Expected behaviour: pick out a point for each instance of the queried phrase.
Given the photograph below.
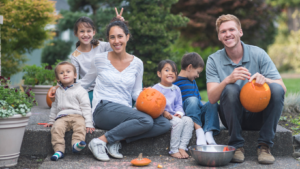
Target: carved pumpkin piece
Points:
(254, 97)
(152, 102)
(140, 161)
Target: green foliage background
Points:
(23, 30)
(56, 50)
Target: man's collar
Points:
(245, 58)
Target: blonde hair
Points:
(225, 18)
(64, 63)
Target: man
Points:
(227, 71)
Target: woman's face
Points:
(117, 39)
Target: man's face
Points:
(230, 34)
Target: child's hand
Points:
(178, 115)
(167, 115)
(88, 129)
(51, 93)
(48, 125)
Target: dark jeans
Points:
(236, 118)
(124, 122)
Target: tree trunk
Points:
(293, 14)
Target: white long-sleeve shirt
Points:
(82, 60)
(112, 85)
(74, 100)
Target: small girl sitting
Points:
(71, 110)
(182, 126)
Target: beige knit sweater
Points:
(74, 100)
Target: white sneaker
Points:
(113, 149)
(98, 147)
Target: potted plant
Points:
(15, 106)
(39, 79)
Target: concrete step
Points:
(37, 140)
(72, 161)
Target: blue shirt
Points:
(255, 59)
(188, 88)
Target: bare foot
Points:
(183, 153)
(176, 155)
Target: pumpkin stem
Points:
(140, 157)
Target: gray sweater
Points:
(74, 100)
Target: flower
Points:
(14, 101)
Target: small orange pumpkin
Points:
(49, 102)
(255, 97)
(140, 161)
(152, 102)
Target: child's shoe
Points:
(78, 146)
(57, 155)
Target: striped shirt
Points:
(82, 60)
(112, 85)
(188, 88)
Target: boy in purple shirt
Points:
(182, 126)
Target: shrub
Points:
(56, 50)
(35, 75)
(292, 103)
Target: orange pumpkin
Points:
(49, 102)
(255, 97)
(140, 161)
(152, 102)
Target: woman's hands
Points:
(119, 16)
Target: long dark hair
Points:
(88, 23)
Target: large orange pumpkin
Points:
(49, 102)
(255, 97)
(152, 102)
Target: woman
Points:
(118, 77)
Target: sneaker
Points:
(113, 149)
(238, 156)
(264, 155)
(98, 147)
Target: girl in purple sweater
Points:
(182, 126)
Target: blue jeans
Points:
(123, 122)
(236, 118)
(204, 115)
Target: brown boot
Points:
(238, 156)
(264, 155)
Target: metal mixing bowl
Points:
(211, 155)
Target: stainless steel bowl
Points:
(211, 155)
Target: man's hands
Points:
(167, 115)
(239, 73)
(88, 129)
(119, 16)
(260, 79)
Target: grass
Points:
(292, 85)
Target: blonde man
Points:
(227, 71)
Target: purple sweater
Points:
(173, 97)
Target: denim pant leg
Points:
(120, 121)
(231, 114)
(266, 121)
(211, 118)
(160, 126)
(192, 108)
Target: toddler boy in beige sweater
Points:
(70, 110)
